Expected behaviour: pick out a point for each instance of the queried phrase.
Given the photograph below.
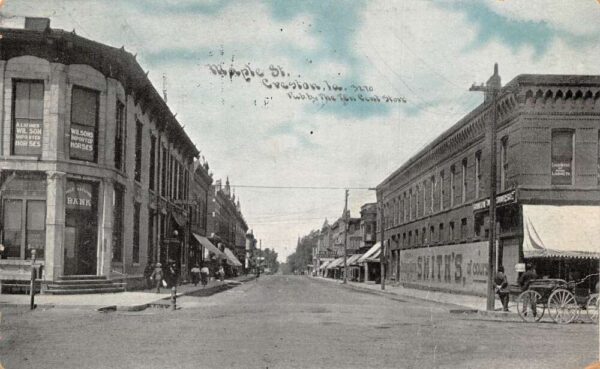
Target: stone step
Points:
(107, 284)
(61, 282)
(110, 289)
(81, 277)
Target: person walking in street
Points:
(502, 287)
(204, 272)
(157, 276)
(221, 273)
(195, 274)
(172, 275)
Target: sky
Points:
(411, 62)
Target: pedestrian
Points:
(172, 275)
(148, 275)
(221, 273)
(157, 276)
(195, 274)
(502, 287)
(204, 272)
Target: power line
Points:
(303, 187)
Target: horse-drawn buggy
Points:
(563, 300)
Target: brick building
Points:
(436, 204)
(95, 169)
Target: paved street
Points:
(288, 322)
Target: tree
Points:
(269, 259)
(298, 261)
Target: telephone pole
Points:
(491, 89)
(346, 220)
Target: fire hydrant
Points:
(174, 298)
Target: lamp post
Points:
(491, 89)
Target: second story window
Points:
(442, 190)
(120, 134)
(562, 157)
(28, 111)
(84, 124)
(138, 151)
(477, 173)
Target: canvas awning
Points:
(353, 259)
(372, 253)
(209, 245)
(561, 231)
(335, 263)
(325, 264)
(231, 259)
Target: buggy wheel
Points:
(530, 306)
(562, 307)
(591, 307)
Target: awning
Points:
(231, 259)
(336, 263)
(372, 253)
(353, 259)
(206, 243)
(325, 264)
(561, 231)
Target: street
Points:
(287, 322)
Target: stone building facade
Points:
(95, 169)
(436, 204)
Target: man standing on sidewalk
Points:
(502, 287)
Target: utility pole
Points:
(382, 254)
(491, 90)
(346, 220)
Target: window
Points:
(463, 195)
(452, 184)
(441, 232)
(152, 164)
(417, 191)
(463, 229)
(562, 157)
(503, 163)
(163, 173)
(150, 250)
(410, 213)
(424, 197)
(477, 173)
(404, 205)
(24, 228)
(139, 128)
(416, 236)
(117, 237)
(28, 112)
(120, 134)
(395, 212)
(84, 124)
(423, 236)
(431, 234)
(136, 233)
(410, 238)
(432, 194)
(451, 232)
(442, 190)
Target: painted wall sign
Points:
(82, 142)
(78, 196)
(561, 172)
(28, 137)
(461, 267)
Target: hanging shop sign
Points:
(82, 142)
(78, 196)
(460, 267)
(503, 199)
(328, 254)
(28, 137)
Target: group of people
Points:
(502, 283)
(156, 277)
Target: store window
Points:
(120, 136)
(24, 228)
(84, 124)
(28, 111)
(562, 157)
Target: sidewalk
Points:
(127, 301)
(457, 303)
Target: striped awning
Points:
(372, 253)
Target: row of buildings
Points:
(435, 207)
(96, 173)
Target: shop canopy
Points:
(325, 264)
(561, 231)
(231, 259)
(209, 245)
(353, 259)
(336, 263)
(370, 255)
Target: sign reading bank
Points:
(78, 196)
(461, 267)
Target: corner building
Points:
(548, 195)
(94, 168)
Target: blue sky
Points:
(428, 52)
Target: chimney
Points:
(37, 24)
